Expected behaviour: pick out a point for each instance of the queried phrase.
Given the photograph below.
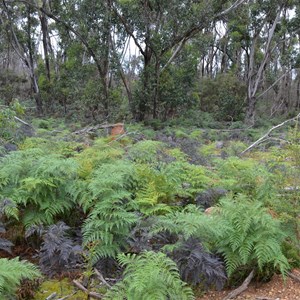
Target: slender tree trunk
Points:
(33, 77)
(156, 88)
(45, 37)
(254, 76)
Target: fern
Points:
(248, 177)
(149, 276)
(110, 209)
(12, 272)
(242, 231)
(248, 236)
(38, 184)
(93, 157)
(157, 187)
(146, 152)
(190, 222)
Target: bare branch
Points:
(265, 91)
(177, 50)
(101, 278)
(91, 294)
(241, 288)
(231, 8)
(266, 136)
(129, 31)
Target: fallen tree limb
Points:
(101, 278)
(267, 135)
(91, 294)
(241, 288)
(293, 276)
(23, 122)
(51, 296)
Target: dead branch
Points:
(101, 278)
(293, 276)
(267, 135)
(51, 296)
(67, 296)
(23, 122)
(91, 294)
(241, 288)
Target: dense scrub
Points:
(133, 207)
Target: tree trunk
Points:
(45, 35)
(156, 89)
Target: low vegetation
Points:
(143, 214)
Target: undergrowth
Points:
(137, 206)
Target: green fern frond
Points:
(189, 222)
(248, 235)
(12, 272)
(149, 275)
(110, 208)
(145, 151)
(247, 176)
(100, 153)
(38, 183)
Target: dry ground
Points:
(275, 289)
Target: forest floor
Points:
(275, 289)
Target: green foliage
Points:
(239, 229)
(38, 184)
(248, 236)
(224, 96)
(145, 151)
(12, 272)
(110, 208)
(8, 124)
(248, 177)
(148, 276)
(158, 185)
(189, 222)
(93, 157)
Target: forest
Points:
(149, 149)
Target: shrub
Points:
(197, 266)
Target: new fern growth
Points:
(149, 276)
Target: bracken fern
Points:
(12, 272)
(110, 209)
(248, 236)
(149, 276)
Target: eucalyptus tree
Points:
(160, 30)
